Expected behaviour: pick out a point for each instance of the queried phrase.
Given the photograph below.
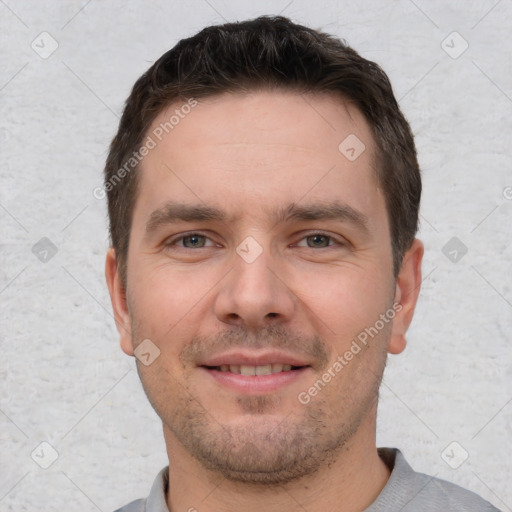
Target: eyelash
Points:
(331, 238)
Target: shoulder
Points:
(156, 501)
(410, 491)
(134, 506)
(436, 494)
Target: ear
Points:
(406, 295)
(118, 299)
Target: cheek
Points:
(344, 299)
(167, 301)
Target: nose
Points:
(255, 295)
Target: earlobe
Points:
(406, 296)
(118, 299)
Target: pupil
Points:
(194, 240)
(319, 240)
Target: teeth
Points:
(244, 369)
(247, 370)
(264, 370)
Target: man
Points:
(263, 194)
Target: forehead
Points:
(244, 150)
(275, 117)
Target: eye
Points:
(318, 240)
(191, 241)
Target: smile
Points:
(255, 379)
(242, 369)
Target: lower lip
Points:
(256, 384)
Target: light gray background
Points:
(64, 379)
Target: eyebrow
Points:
(181, 212)
(175, 212)
(322, 211)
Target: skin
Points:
(249, 155)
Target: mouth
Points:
(249, 370)
(254, 374)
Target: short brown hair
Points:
(267, 52)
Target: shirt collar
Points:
(156, 501)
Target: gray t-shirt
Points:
(405, 491)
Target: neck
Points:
(351, 482)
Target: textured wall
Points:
(64, 380)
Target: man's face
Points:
(257, 246)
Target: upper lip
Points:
(254, 359)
